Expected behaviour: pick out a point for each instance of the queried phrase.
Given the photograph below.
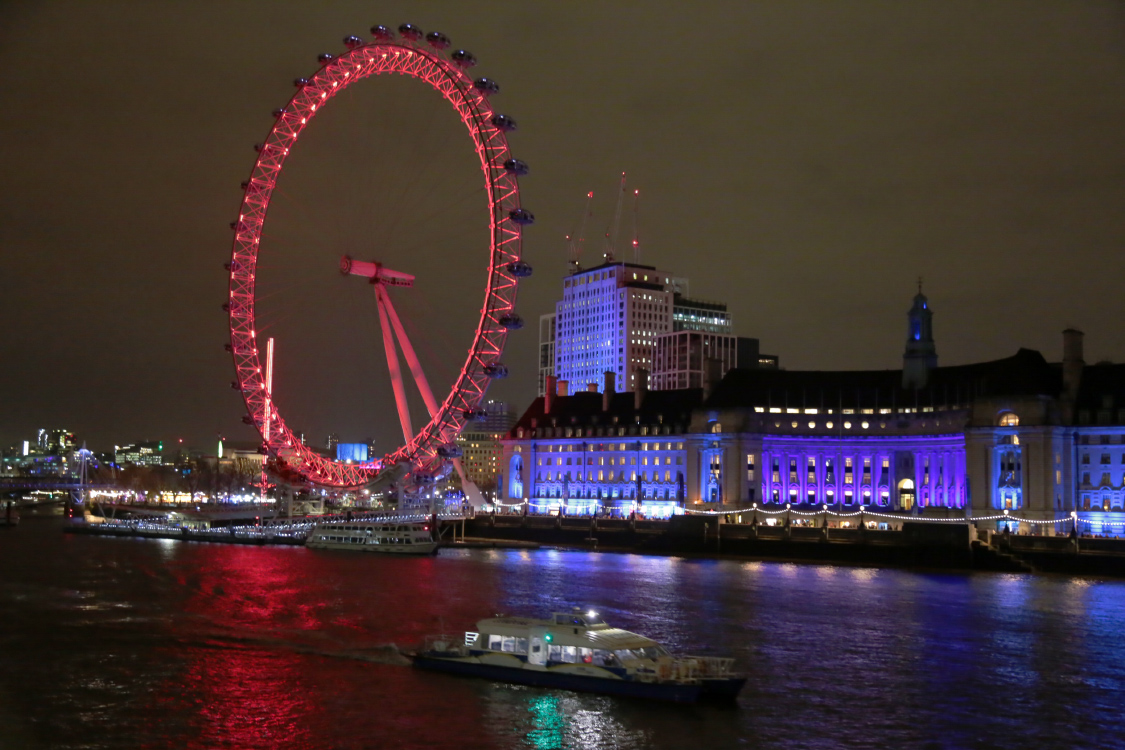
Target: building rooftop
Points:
(1102, 387)
(584, 409)
(1026, 373)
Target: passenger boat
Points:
(580, 651)
(396, 537)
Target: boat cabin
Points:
(566, 638)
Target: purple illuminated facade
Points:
(1039, 440)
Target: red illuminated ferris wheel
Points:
(425, 453)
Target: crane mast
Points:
(611, 234)
(574, 242)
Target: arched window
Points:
(1009, 419)
(716, 428)
(906, 494)
(515, 478)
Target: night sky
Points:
(803, 162)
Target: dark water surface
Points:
(121, 643)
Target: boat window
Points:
(603, 658)
(509, 644)
(625, 654)
(494, 642)
(653, 652)
(554, 653)
(570, 654)
(521, 645)
(569, 620)
(586, 655)
(594, 620)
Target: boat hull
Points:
(386, 549)
(716, 690)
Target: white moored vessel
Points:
(579, 651)
(370, 536)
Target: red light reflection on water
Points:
(292, 648)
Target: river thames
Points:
(125, 643)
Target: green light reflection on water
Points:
(550, 724)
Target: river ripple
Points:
(122, 643)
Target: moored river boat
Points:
(402, 538)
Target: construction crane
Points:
(636, 230)
(574, 242)
(611, 234)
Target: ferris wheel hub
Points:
(377, 272)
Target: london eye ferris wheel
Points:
(428, 451)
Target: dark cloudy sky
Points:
(802, 161)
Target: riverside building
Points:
(618, 317)
(608, 321)
(1037, 439)
(480, 445)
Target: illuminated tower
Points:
(921, 353)
(608, 321)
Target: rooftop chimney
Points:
(610, 389)
(549, 394)
(712, 374)
(591, 387)
(563, 389)
(641, 389)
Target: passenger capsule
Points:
(496, 370)
(382, 33)
(450, 450)
(474, 415)
(247, 419)
(511, 321)
(464, 59)
(278, 112)
(486, 86)
(235, 386)
(259, 147)
(520, 269)
(516, 167)
(226, 307)
(410, 31)
(522, 216)
(351, 42)
(504, 122)
(299, 82)
(228, 347)
(264, 450)
(437, 40)
(324, 58)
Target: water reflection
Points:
(201, 646)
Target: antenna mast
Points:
(611, 235)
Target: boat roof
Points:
(589, 636)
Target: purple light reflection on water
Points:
(119, 643)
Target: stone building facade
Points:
(1037, 439)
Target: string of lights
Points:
(863, 511)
